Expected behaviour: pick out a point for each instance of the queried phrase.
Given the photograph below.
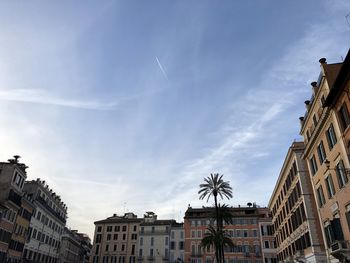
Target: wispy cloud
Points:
(161, 68)
(42, 97)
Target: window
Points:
(347, 214)
(331, 138)
(123, 247)
(313, 165)
(341, 175)
(151, 252)
(172, 234)
(344, 118)
(314, 119)
(153, 229)
(152, 241)
(117, 228)
(142, 230)
(193, 233)
(199, 233)
(181, 245)
(330, 186)
(115, 237)
(321, 152)
(141, 241)
(124, 228)
(109, 228)
(320, 196)
(166, 241)
(108, 237)
(135, 228)
(266, 243)
(124, 236)
(107, 247)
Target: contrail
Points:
(161, 68)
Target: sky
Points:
(126, 106)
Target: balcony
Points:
(196, 255)
(340, 249)
(154, 233)
(53, 212)
(139, 258)
(15, 198)
(151, 258)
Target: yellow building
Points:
(21, 231)
(327, 159)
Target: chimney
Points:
(314, 87)
(307, 104)
(323, 61)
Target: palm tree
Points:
(215, 186)
(216, 239)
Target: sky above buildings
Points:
(127, 105)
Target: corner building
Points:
(246, 232)
(298, 233)
(328, 162)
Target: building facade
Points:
(70, 248)
(12, 177)
(338, 101)
(295, 220)
(328, 162)
(46, 225)
(268, 242)
(154, 240)
(244, 232)
(116, 239)
(177, 243)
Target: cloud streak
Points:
(161, 68)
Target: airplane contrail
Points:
(161, 68)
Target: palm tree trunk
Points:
(218, 249)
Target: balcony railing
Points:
(53, 212)
(15, 198)
(151, 258)
(156, 232)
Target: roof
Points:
(119, 220)
(340, 82)
(206, 212)
(331, 71)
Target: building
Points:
(295, 221)
(115, 239)
(70, 248)
(177, 243)
(267, 240)
(244, 231)
(21, 229)
(12, 177)
(154, 240)
(46, 225)
(325, 151)
(338, 101)
(86, 246)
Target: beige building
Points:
(339, 102)
(115, 239)
(154, 241)
(328, 162)
(177, 243)
(298, 233)
(12, 177)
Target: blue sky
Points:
(127, 105)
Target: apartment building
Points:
(177, 243)
(70, 248)
(154, 240)
(46, 225)
(21, 229)
(116, 239)
(295, 220)
(268, 243)
(338, 101)
(328, 162)
(244, 231)
(12, 177)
